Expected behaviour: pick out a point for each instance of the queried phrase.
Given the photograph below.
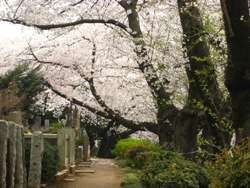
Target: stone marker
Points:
(85, 147)
(36, 152)
(38, 123)
(11, 155)
(46, 124)
(19, 172)
(4, 130)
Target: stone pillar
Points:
(66, 146)
(38, 123)
(85, 146)
(11, 155)
(61, 145)
(70, 117)
(36, 154)
(74, 122)
(19, 172)
(4, 130)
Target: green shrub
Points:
(131, 181)
(170, 170)
(122, 147)
(230, 171)
(133, 151)
(56, 126)
(139, 154)
(50, 161)
(79, 141)
(142, 159)
(125, 163)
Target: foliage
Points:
(171, 170)
(125, 163)
(131, 181)
(79, 141)
(56, 126)
(139, 154)
(124, 147)
(50, 161)
(231, 170)
(28, 81)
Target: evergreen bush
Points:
(170, 170)
(231, 169)
(124, 147)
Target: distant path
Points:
(107, 175)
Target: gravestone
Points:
(36, 152)
(46, 125)
(11, 155)
(4, 130)
(19, 172)
(38, 122)
(86, 147)
(66, 146)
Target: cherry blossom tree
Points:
(138, 63)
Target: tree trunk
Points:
(165, 109)
(204, 92)
(237, 26)
(106, 147)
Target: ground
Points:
(107, 175)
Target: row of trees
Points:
(206, 107)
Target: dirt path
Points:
(107, 175)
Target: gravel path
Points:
(107, 175)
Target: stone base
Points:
(72, 169)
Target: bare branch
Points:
(70, 24)
(19, 5)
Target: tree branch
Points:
(70, 24)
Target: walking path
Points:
(107, 175)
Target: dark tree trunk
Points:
(106, 146)
(237, 26)
(165, 109)
(203, 86)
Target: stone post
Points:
(74, 122)
(19, 172)
(85, 146)
(11, 155)
(4, 130)
(36, 154)
(70, 116)
(66, 146)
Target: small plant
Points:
(56, 126)
(231, 170)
